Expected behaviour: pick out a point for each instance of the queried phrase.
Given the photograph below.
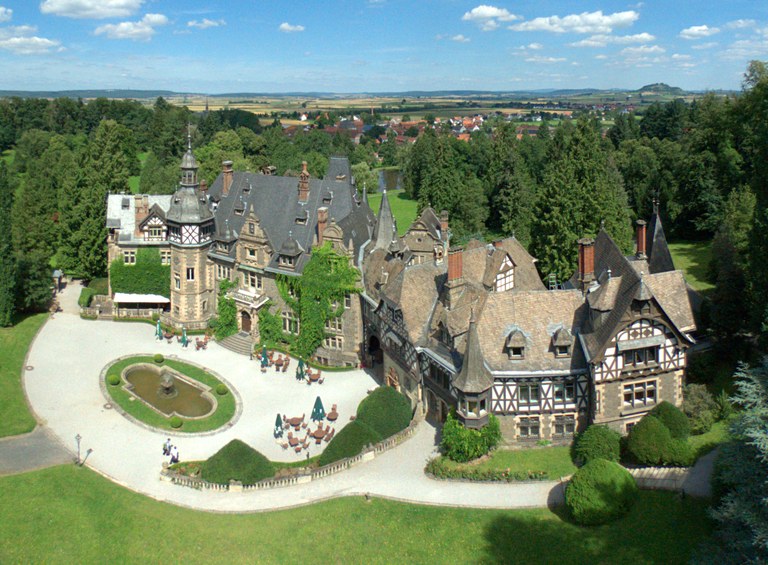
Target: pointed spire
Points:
(473, 378)
(365, 193)
(385, 224)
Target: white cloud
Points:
(206, 23)
(642, 50)
(5, 14)
(741, 24)
(143, 30)
(601, 57)
(746, 49)
(586, 22)
(534, 46)
(708, 45)
(285, 27)
(603, 40)
(698, 32)
(680, 57)
(22, 41)
(542, 59)
(460, 39)
(96, 9)
(488, 17)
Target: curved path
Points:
(62, 386)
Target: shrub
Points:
(599, 492)
(673, 418)
(443, 470)
(221, 389)
(176, 422)
(386, 411)
(724, 406)
(463, 444)
(86, 295)
(350, 441)
(597, 442)
(700, 408)
(237, 461)
(99, 285)
(114, 379)
(158, 358)
(651, 443)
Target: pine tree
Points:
(7, 257)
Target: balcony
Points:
(248, 297)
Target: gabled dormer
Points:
(153, 227)
(505, 276)
(515, 344)
(289, 253)
(562, 342)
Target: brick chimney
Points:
(455, 284)
(641, 231)
(444, 224)
(586, 261)
(322, 223)
(203, 186)
(304, 183)
(498, 244)
(140, 210)
(228, 177)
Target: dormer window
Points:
(641, 307)
(562, 351)
(444, 335)
(239, 211)
(562, 340)
(251, 228)
(286, 261)
(515, 345)
(505, 278)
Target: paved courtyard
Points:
(62, 384)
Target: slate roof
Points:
(538, 315)
(275, 200)
(473, 377)
(188, 206)
(656, 248)
(415, 290)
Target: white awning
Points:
(125, 298)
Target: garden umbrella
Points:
(278, 426)
(184, 340)
(318, 412)
(159, 332)
(300, 370)
(264, 358)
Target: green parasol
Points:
(318, 412)
(278, 426)
(300, 370)
(159, 332)
(184, 340)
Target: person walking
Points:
(174, 454)
(167, 447)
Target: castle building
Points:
(469, 329)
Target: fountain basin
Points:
(148, 383)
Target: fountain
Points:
(167, 388)
(169, 392)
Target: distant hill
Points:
(662, 88)
(104, 93)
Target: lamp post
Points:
(78, 437)
(87, 453)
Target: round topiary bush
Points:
(386, 411)
(597, 442)
(673, 418)
(599, 492)
(648, 440)
(221, 389)
(237, 461)
(158, 358)
(176, 422)
(114, 379)
(350, 441)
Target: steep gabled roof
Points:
(659, 257)
(473, 377)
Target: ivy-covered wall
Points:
(225, 324)
(327, 278)
(147, 276)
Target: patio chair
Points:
(303, 425)
(284, 445)
(321, 380)
(298, 449)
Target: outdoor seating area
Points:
(182, 339)
(280, 363)
(300, 433)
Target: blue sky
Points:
(352, 46)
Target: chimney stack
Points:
(140, 210)
(586, 261)
(229, 176)
(203, 186)
(322, 222)
(444, 224)
(455, 284)
(498, 244)
(641, 232)
(304, 183)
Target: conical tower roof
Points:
(473, 377)
(385, 224)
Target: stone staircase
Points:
(239, 343)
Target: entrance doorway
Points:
(245, 322)
(374, 350)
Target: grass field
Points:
(693, 257)
(704, 443)
(14, 342)
(556, 461)
(65, 514)
(404, 209)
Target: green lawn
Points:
(14, 342)
(404, 209)
(704, 443)
(223, 414)
(555, 461)
(693, 257)
(65, 514)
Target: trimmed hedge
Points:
(221, 389)
(86, 295)
(597, 442)
(651, 443)
(386, 411)
(350, 441)
(673, 418)
(237, 461)
(599, 492)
